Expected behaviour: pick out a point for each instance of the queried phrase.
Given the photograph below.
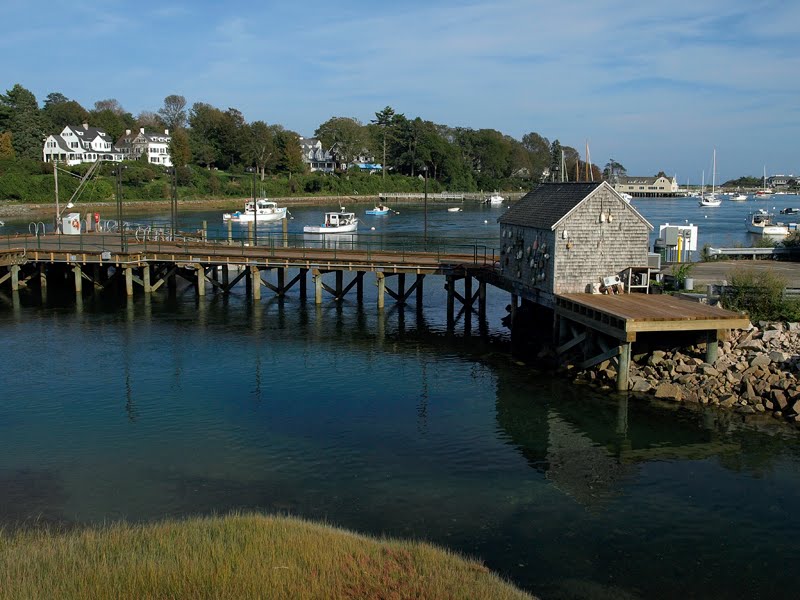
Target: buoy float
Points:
(372, 229)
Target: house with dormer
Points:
(79, 144)
(315, 157)
(133, 145)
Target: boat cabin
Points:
(337, 219)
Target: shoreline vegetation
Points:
(235, 556)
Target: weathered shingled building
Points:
(563, 237)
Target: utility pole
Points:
(58, 211)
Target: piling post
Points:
(303, 283)
(148, 287)
(281, 280)
(420, 279)
(250, 231)
(230, 232)
(339, 284)
(78, 280)
(401, 288)
(623, 367)
(256, 276)
(201, 280)
(380, 281)
(360, 287)
(205, 231)
(712, 347)
(451, 302)
(43, 282)
(285, 225)
(15, 278)
(482, 300)
(225, 279)
(129, 281)
(317, 276)
(468, 292)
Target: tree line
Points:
(458, 158)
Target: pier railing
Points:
(142, 238)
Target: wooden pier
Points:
(600, 326)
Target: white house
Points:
(156, 145)
(315, 156)
(647, 187)
(79, 144)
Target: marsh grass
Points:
(238, 556)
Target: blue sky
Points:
(654, 85)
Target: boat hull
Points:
(322, 229)
(377, 212)
(261, 217)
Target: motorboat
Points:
(626, 197)
(739, 198)
(335, 222)
(790, 211)
(761, 223)
(266, 211)
(379, 210)
(496, 200)
(710, 201)
(455, 209)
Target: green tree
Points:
(538, 148)
(173, 113)
(60, 114)
(290, 157)
(259, 146)
(344, 137)
(384, 120)
(179, 148)
(613, 170)
(20, 114)
(555, 162)
(149, 120)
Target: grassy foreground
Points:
(240, 556)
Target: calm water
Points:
(385, 424)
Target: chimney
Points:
(141, 129)
(86, 126)
(127, 132)
(166, 132)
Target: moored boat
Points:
(379, 210)
(790, 211)
(761, 223)
(266, 211)
(335, 222)
(710, 201)
(454, 209)
(739, 197)
(495, 199)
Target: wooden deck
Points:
(624, 315)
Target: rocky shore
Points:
(756, 373)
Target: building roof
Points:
(548, 203)
(63, 145)
(628, 180)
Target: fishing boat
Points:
(266, 211)
(379, 210)
(790, 211)
(496, 200)
(335, 222)
(761, 223)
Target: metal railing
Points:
(754, 252)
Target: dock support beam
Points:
(78, 280)
(482, 300)
(451, 302)
(201, 280)
(303, 284)
(15, 278)
(420, 279)
(317, 276)
(129, 281)
(624, 366)
(380, 281)
(712, 347)
(255, 275)
(148, 287)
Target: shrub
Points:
(760, 294)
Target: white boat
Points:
(496, 200)
(335, 222)
(761, 223)
(626, 197)
(266, 211)
(739, 198)
(379, 210)
(454, 209)
(765, 191)
(712, 200)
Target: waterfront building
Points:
(315, 156)
(566, 238)
(79, 144)
(156, 145)
(646, 187)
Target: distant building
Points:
(646, 187)
(156, 145)
(315, 157)
(779, 181)
(563, 238)
(79, 144)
